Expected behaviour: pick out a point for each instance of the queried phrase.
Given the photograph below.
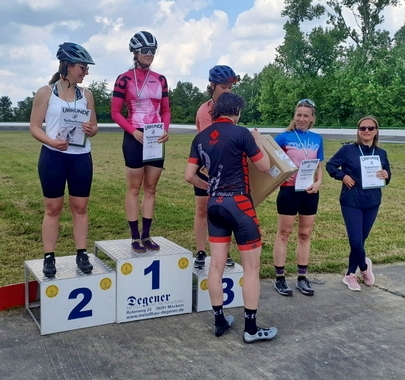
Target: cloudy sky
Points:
(193, 36)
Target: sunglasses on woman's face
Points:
(84, 68)
(147, 50)
(369, 128)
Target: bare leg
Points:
(78, 206)
(50, 223)
(200, 222)
(151, 178)
(305, 226)
(134, 181)
(285, 226)
(251, 277)
(219, 254)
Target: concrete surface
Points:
(337, 334)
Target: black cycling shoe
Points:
(199, 261)
(229, 262)
(49, 268)
(83, 263)
(219, 330)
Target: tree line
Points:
(347, 71)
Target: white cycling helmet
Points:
(142, 39)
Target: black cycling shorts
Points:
(291, 202)
(55, 169)
(233, 214)
(133, 150)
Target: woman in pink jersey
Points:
(145, 95)
(221, 78)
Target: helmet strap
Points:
(137, 63)
(143, 66)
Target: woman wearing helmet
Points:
(145, 95)
(221, 78)
(60, 162)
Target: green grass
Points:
(21, 208)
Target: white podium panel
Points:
(231, 281)
(71, 300)
(151, 284)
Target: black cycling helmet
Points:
(142, 39)
(223, 74)
(74, 53)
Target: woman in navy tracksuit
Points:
(359, 205)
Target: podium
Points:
(232, 281)
(151, 284)
(71, 300)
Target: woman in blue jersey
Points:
(60, 162)
(223, 148)
(360, 202)
(300, 144)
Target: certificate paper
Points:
(152, 150)
(369, 166)
(306, 174)
(70, 122)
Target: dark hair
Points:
(62, 71)
(227, 104)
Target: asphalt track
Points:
(335, 335)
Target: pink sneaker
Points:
(351, 281)
(368, 276)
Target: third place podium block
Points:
(152, 284)
(231, 282)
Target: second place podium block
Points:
(71, 300)
(152, 284)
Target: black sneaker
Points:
(83, 263)
(49, 268)
(305, 287)
(199, 261)
(282, 287)
(229, 262)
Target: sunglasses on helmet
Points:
(147, 50)
(306, 101)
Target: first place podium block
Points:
(71, 300)
(151, 284)
(232, 281)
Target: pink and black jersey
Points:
(223, 148)
(147, 100)
(299, 145)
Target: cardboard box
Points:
(263, 184)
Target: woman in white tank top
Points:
(65, 154)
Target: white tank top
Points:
(53, 114)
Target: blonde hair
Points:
(375, 121)
(292, 125)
